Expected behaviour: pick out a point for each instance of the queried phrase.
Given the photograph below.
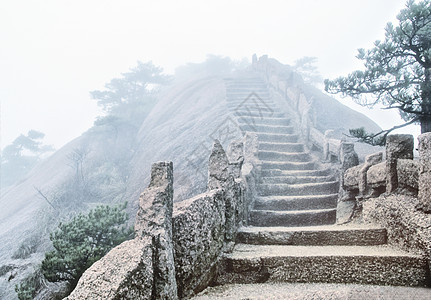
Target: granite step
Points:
(282, 173)
(258, 114)
(267, 128)
(289, 179)
(250, 98)
(379, 265)
(273, 121)
(308, 166)
(303, 202)
(252, 107)
(277, 138)
(293, 218)
(247, 93)
(281, 147)
(283, 156)
(247, 88)
(300, 189)
(286, 290)
(336, 235)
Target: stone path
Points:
(292, 236)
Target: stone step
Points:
(282, 147)
(283, 156)
(289, 165)
(247, 93)
(277, 138)
(250, 98)
(246, 86)
(301, 189)
(277, 172)
(268, 128)
(339, 235)
(263, 121)
(234, 106)
(295, 179)
(304, 202)
(286, 290)
(378, 265)
(258, 114)
(254, 110)
(294, 218)
(246, 90)
(245, 80)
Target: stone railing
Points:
(282, 80)
(177, 246)
(399, 172)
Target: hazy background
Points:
(53, 52)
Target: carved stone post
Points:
(370, 160)
(397, 146)
(154, 219)
(219, 177)
(424, 194)
(346, 201)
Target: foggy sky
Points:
(53, 52)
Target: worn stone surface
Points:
(408, 174)
(397, 146)
(425, 172)
(126, 272)
(198, 234)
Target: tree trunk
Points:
(426, 103)
(425, 124)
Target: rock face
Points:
(425, 172)
(198, 235)
(126, 272)
(142, 268)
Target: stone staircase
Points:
(292, 236)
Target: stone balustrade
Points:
(399, 172)
(177, 246)
(281, 79)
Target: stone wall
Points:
(399, 174)
(177, 248)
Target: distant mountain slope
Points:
(331, 114)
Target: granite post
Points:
(424, 193)
(397, 146)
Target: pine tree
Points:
(397, 72)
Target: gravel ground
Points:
(313, 291)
